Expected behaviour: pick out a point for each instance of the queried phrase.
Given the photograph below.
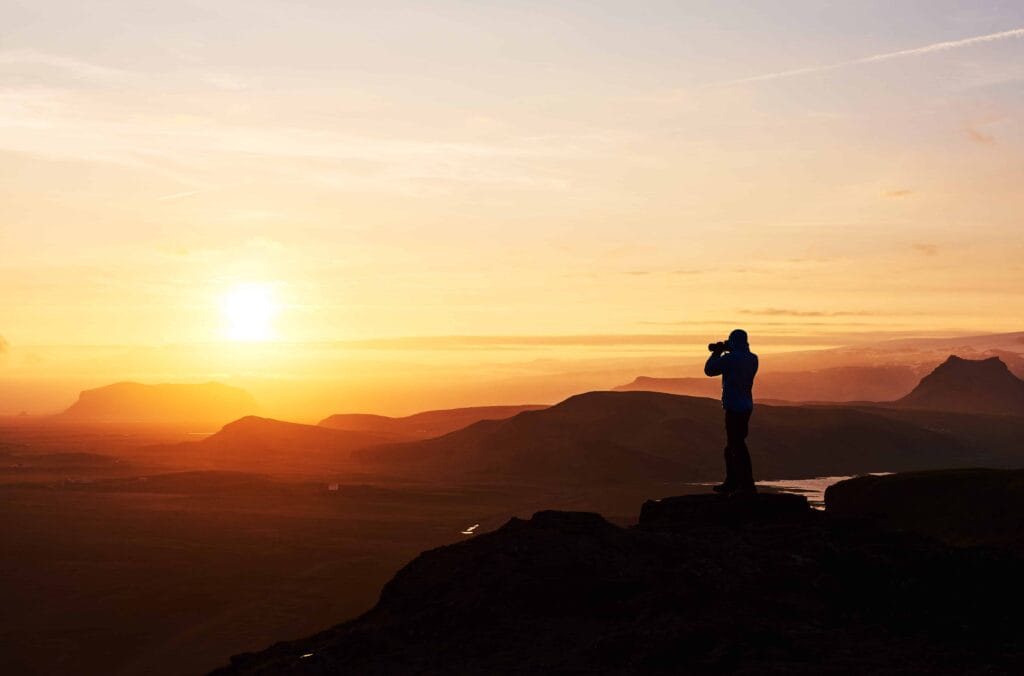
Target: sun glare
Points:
(249, 311)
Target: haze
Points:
(594, 184)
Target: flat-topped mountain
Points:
(973, 386)
(702, 584)
(422, 425)
(170, 403)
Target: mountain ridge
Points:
(424, 424)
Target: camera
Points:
(720, 346)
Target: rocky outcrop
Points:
(701, 511)
(703, 584)
(959, 506)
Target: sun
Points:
(249, 310)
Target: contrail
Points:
(927, 49)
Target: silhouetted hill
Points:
(960, 506)
(702, 584)
(422, 425)
(205, 403)
(838, 384)
(616, 436)
(973, 386)
(260, 444)
(253, 437)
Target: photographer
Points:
(737, 365)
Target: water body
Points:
(812, 489)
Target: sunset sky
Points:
(809, 170)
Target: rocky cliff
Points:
(701, 584)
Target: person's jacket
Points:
(737, 368)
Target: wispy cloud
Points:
(676, 272)
(902, 192)
(784, 312)
(980, 137)
(76, 67)
(178, 195)
(926, 249)
(876, 58)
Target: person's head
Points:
(738, 339)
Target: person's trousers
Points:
(738, 471)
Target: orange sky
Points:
(511, 170)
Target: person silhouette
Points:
(737, 365)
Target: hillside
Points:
(422, 425)
(170, 404)
(702, 584)
(617, 436)
(973, 386)
(260, 444)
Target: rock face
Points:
(960, 506)
(702, 585)
(695, 511)
(972, 386)
(204, 403)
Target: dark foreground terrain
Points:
(701, 584)
(118, 563)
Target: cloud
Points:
(528, 342)
(783, 312)
(177, 195)
(926, 249)
(877, 58)
(980, 137)
(75, 67)
(679, 271)
(902, 192)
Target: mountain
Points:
(702, 584)
(422, 425)
(975, 386)
(265, 434)
(260, 444)
(838, 384)
(619, 436)
(195, 404)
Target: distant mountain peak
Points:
(969, 385)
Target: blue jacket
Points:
(737, 369)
